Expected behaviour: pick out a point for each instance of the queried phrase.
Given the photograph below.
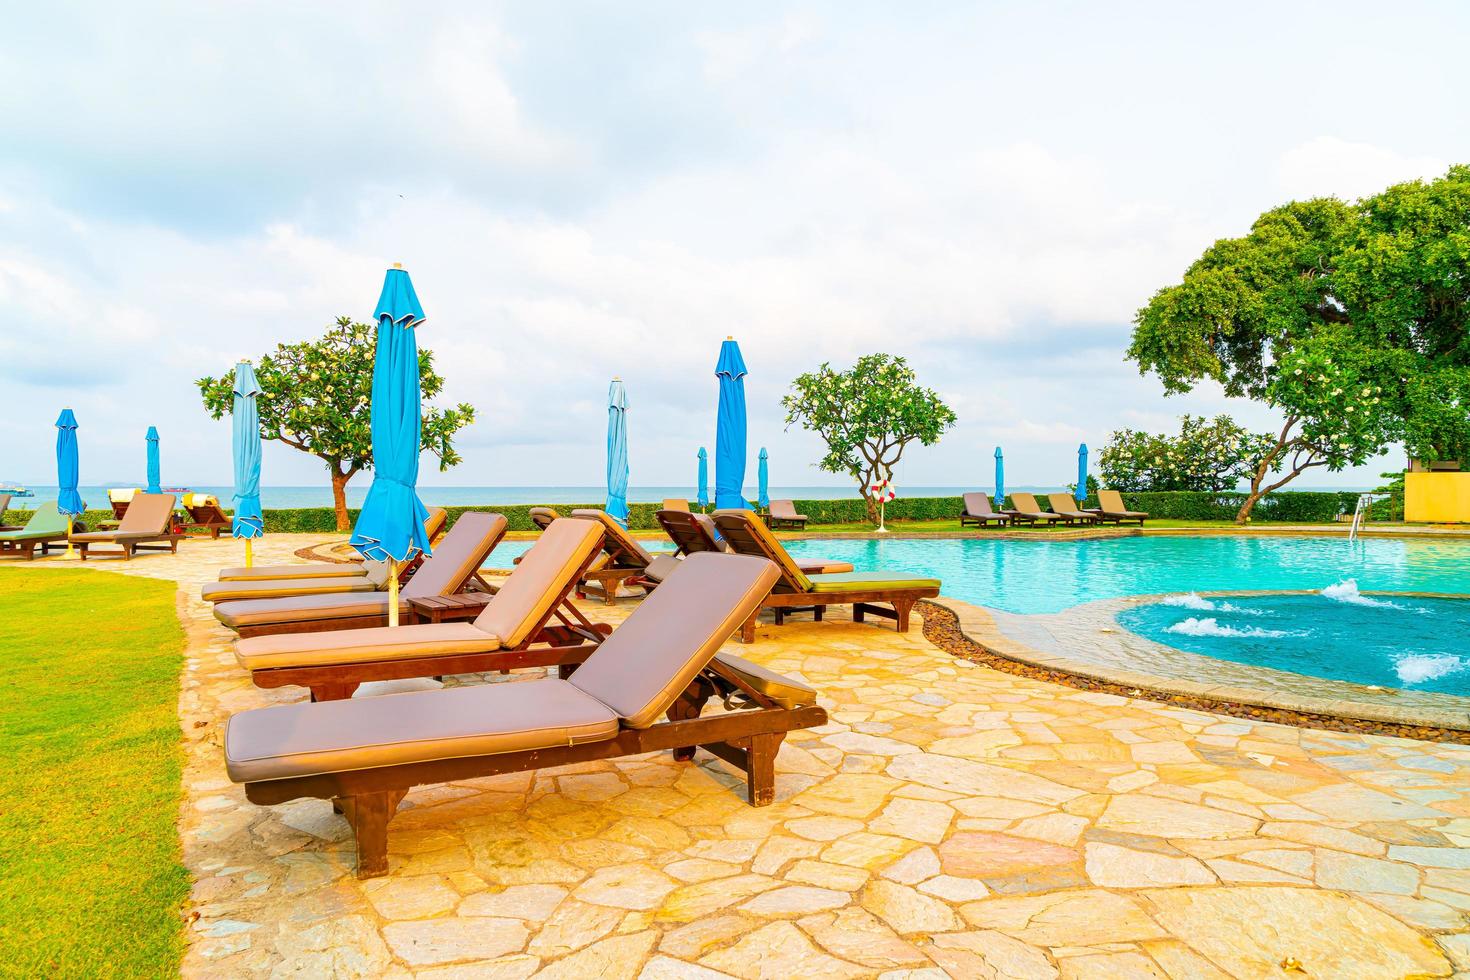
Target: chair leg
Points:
(760, 768)
(369, 814)
(857, 612)
(747, 630)
(817, 612)
(903, 607)
(333, 692)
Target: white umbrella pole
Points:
(392, 592)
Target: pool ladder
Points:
(1365, 500)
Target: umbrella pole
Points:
(249, 552)
(70, 552)
(392, 592)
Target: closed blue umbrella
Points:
(245, 441)
(1000, 479)
(763, 482)
(730, 429)
(391, 525)
(617, 452)
(703, 478)
(153, 468)
(68, 469)
(1081, 492)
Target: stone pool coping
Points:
(1236, 689)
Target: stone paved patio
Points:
(951, 821)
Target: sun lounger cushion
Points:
(370, 645)
(673, 634)
(785, 691)
(148, 516)
(865, 581)
(420, 726)
(321, 569)
(46, 521)
(633, 553)
(200, 500)
(540, 580)
(304, 608)
(273, 588)
(121, 495)
(457, 556)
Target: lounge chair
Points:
(1066, 506)
(1025, 510)
(543, 516)
(694, 534)
(798, 592)
(674, 503)
(205, 514)
(365, 754)
(119, 498)
(372, 576)
(454, 563)
(46, 529)
(979, 512)
(783, 514)
(322, 569)
(1113, 509)
(147, 526)
(4, 506)
(510, 632)
(627, 562)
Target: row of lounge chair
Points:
(203, 511)
(978, 511)
(782, 513)
(147, 526)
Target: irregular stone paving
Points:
(950, 821)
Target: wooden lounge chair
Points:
(147, 526)
(979, 512)
(365, 754)
(453, 564)
(798, 592)
(1113, 509)
(510, 632)
(1027, 511)
(627, 563)
(372, 576)
(694, 534)
(1066, 506)
(673, 503)
(783, 514)
(4, 506)
(205, 514)
(45, 530)
(118, 499)
(325, 569)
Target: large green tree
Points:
(1206, 454)
(867, 415)
(315, 396)
(1348, 319)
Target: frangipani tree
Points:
(867, 415)
(315, 396)
(1206, 454)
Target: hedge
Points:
(1308, 507)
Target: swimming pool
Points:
(1049, 576)
(1392, 641)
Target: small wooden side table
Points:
(447, 608)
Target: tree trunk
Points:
(871, 505)
(339, 497)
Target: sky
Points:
(589, 190)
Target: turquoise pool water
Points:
(1049, 576)
(1391, 641)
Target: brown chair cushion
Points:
(545, 574)
(321, 569)
(276, 588)
(371, 645)
(421, 726)
(457, 556)
(747, 534)
(978, 504)
(785, 691)
(671, 636)
(148, 513)
(543, 516)
(631, 553)
(304, 608)
(785, 510)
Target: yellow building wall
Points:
(1437, 498)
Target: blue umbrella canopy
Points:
(617, 452)
(245, 441)
(703, 478)
(763, 482)
(153, 468)
(730, 429)
(68, 466)
(391, 524)
(1000, 478)
(1081, 491)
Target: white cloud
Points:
(1329, 166)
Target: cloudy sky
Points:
(582, 190)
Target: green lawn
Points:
(91, 880)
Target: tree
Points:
(1348, 319)
(867, 415)
(1207, 454)
(315, 396)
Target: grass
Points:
(91, 880)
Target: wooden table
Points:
(447, 608)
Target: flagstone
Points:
(824, 875)
(692, 901)
(919, 820)
(854, 795)
(971, 778)
(1077, 916)
(986, 855)
(990, 954)
(573, 925)
(1120, 867)
(954, 890)
(428, 942)
(856, 935)
(1422, 913)
(867, 851)
(1346, 801)
(824, 828)
(906, 910)
(1432, 857)
(411, 897)
(664, 968)
(616, 956)
(1063, 829)
(777, 852)
(1111, 966)
(533, 902)
(1163, 817)
(690, 942)
(913, 867)
(1179, 962)
(1355, 873)
(692, 870)
(779, 951)
(1240, 872)
(795, 900)
(1333, 838)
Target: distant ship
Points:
(15, 490)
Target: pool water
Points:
(1407, 642)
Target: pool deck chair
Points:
(1113, 509)
(798, 592)
(695, 533)
(204, 514)
(674, 503)
(1025, 510)
(979, 513)
(372, 576)
(643, 690)
(45, 530)
(4, 506)
(543, 516)
(627, 562)
(511, 632)
(1063, 504)
(454, 563)
(783, 514)
(301, 573)
(119, 498)
(147, 526)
